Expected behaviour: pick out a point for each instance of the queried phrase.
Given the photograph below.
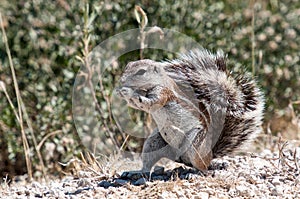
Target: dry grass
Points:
(20, 112)
(252, 176)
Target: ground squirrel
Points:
(202, 111)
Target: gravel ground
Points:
(264, 175)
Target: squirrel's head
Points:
(143, 74)
(139, 78)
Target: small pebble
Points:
(105, 184)
(134, 175)
(203, 195)
(36, 185)
(158, 170)
(120, 182)
(242, 190)
(158, 177)
(189, 176)
(140, 181)
(274, 192)
(276, 181)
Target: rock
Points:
(203, 195)
(188, 176)
(166, 194)
(36, 185)
(105, 184)
(253, 179)
(120, 182)
(270, 186)
(134, 175)
(37, 195)
(158, 177)
(274, 192)
(276, 181)
(280, 190)
(158, 170)
(140, 181)
(242, 190)
(179, 170)
(218, 165)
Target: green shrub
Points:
(45, 36)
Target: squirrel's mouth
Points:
(126, 94)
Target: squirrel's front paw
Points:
(141, 102)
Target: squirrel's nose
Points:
(123, 91)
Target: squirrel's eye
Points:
(140, 72)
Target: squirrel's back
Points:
(230, 105)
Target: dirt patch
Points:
(264, 175)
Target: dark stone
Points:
(140, 181)
(135, 175)
(158, 177)
(105, 184)
(38, 195)
(188, 176)
(120, 182)
(158, 170)
(218, 166)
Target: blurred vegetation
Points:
(46, 36)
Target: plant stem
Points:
(19, 101)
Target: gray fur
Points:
(201, 110)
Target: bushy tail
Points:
(243, 122)
(215, 89)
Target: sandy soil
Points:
(264, 175)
